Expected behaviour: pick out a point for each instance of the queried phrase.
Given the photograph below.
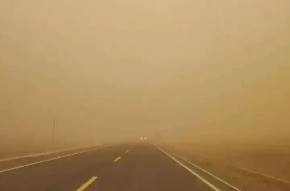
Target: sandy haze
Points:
(199, 72)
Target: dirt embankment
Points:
(250, 169)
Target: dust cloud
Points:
(198, 72)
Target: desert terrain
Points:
(207, 80)
(248, 168)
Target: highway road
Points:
(123, 167)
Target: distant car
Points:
(143, 138)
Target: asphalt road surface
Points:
(124, 167)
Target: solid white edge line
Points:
(44, 153)
(265, 175)
(233, 187)
(191, 171)
(39, 162)
(241, 168)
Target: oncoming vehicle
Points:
(143, 138)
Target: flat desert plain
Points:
(248, 168)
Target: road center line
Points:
(87, 184)
(118, 158)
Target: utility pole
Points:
(53, 134)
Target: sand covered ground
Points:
(239, 166)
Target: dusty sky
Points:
(194, 70)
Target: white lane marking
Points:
(127, 151)
(233, 187)
(251, 171)
(39, 162)
(191, 171)
(87, 184)
(265, 175)
(118, 158)
(42, 154)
